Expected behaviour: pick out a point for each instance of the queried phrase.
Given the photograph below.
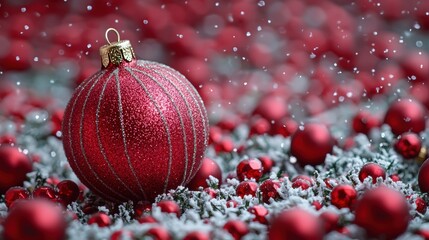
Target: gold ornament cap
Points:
(116, 52)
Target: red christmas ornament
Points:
(168, 206)
(343, 196)
(34, 220)
(421, 205)
(267, 163)
(197, 236)
(68, 191)
(260, 213)
(135, 129)
(121, 234)
(364, 121)
(249, 168)
(45, 192)
(147, 219)
(296, 223)
(14, 166)
(158, 233)
(405, 115)
(15, 193)
(423, 177)
(408, 145)
(101, 219)
(383, 213)
(372, 170)
(269, 190)
(247, 188)
(238, 229)
(302, 181)
(330, 221)
(208, 168)
(311, 143)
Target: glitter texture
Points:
(135, 131)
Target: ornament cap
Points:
(116, 52)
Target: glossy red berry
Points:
(343, 196)
(408, 145)
(372, 170)
(249, 168)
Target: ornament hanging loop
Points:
(115, 53)
(106, 35)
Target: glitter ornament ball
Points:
(135, 129)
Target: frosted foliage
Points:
(199, 207)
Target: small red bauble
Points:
(14, 166)
(284, 127)
(249, 168)
(197, 236)
(121, 234)
(383, 213)
(295, 223)
(208, 168)
(408, 145)
(372, 170)
(135, 129)
(421, 205)
(238, 229)
(259, 126)
(364, 121)
(330, 221)
(260, 213)
(272, 107)
(41, 219)
(211, 192)
(267, 163)
(302, 181)
(343, 196)
(158, 233)
(311, 143)
(101, 219)
(45, 192)
(423, 177)
(169, 206)
(15, 193)
(406, 115)
(246, 188)
(269, 190)
(147, 219)
(68, 191)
